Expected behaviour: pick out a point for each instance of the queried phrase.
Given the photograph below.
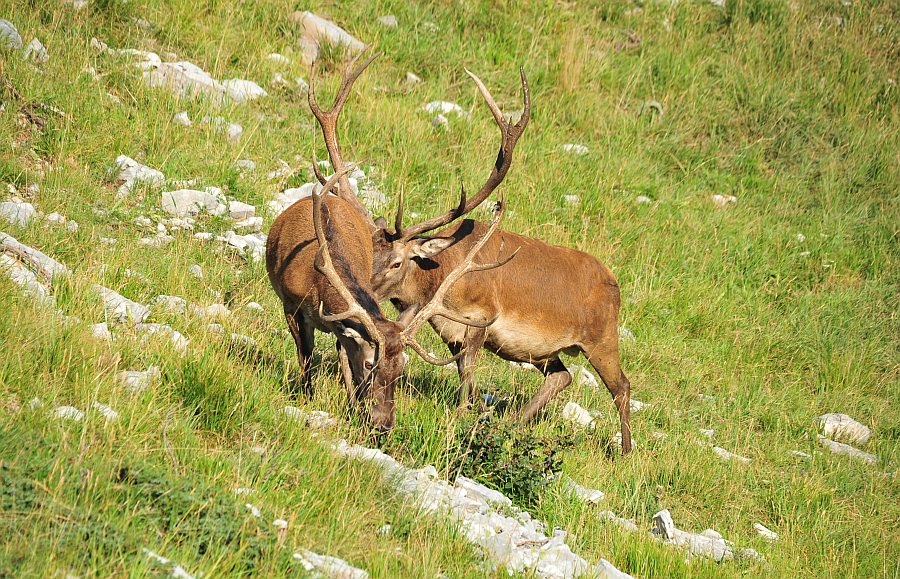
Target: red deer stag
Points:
(548, 300)
(319, 259)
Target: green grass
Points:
(791, 107)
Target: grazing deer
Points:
(548, 300)
(319, 259)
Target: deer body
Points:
(547, 300)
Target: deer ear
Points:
(381, 223)
(426, 248)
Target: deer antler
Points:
(509, 133)
(436, 307)
(328, 121)
(325, 266)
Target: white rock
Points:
(842, 427)
(445, 108)
(137, 381)
(637, 405)
(26, 279)
(302, 85)
(627, 524)
(288, 197)
(120, 308)
(196, 271)
(19, 214)
(526, 365)
(575, 149)
(35, 52)
(253, 244)
(109, 240)
(626, 335)
(643, 199)
(179, 342)
(184, 79)
(55, 218)
(765, 533)
(278, 58)
(254, 306)
(9, 35)
(388, 21)
(68, 413)
(170, 304)
(101, 331)
(316, 31)
(280, 524)
(707, 432)
(191, 202)
(659, 435)
(243, 341)
(726, 455)
(412, 78)
(72, 226)
(216, 328)
(440, 121)
(583, 493)
(239, 210)
(841, 448)
(232, 130)
(160, 240)
(617, 440)
(801, 238)
(240, 90)
(488, 495)
(249, 224)
(44, 264)
(253, 510)
(712, 534)
(314, 419)
(106, 411)
(133, 174)
(723, 200)
(572, 199)
(577, 415)
(182, 119)
(328, 567)
(245, 165)
(583, 377)
(801, 454)
(211, 311)
(242, 491)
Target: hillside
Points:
(735, 165)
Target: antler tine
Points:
(436, 306)
(328, 122)
(398, 219)
(509, 135)
(318, 172)
(418, 349)
(326, 267)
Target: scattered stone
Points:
(212, 311)
(136, 381)
(182, 119)
(723, 200)
(626, 335)
(191, 202)
(242, 491)
(574, 148)
(245, 165)
(170, 304)
(240, 90)
(801, 454)
(412, 78)
(388, 21)
(627, 524)
(643, 199)
(35, 52)
(106, 411)
(72, 226)
(842, 427)
(384, 531)
(315, 419)
(239, 210)
(708, 544)
(841, 448)
(216, 328)
(120, 308)
(526, 365)
(68, 413)
(302, 85)
(109, 240)
(707, 432)
(35, 403)
(243, 341)
(509, 537)
(572, 199)
(726, 455)
(253, 224)
(800, 238)
(101, 331)
(653, 106)
(9, 35)
(253, 510)
(254, 306)
(637, 405)
(583, 493)
(280, 524)
(177, 570)
(46, 266)
(583, 377)
(315, 31)
(253, 244)
(183, 79)
(659, 435)
(617, 440)
(132, 174)
(278, 58)
(765, 533)
(179, 342)
(196, 271)
(290, 196)
(26, 279)
(328, 567)
(160, 240)
(440, 121)
(232, 130)
(17, 213)
(445, 108)
(577, 415)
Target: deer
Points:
(319, 257)
(547, 301)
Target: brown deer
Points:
(319, 259)
(548, 300)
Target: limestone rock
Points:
(841, 448)
(182, 119)
(575, 149)
(120, 308)
(328, 567)
(240, 90)
(445, 108)
(9, 35)
(388, 21)
(726, 455)
(723, 200)
(238, 210)
(36, 52)
(139, 380)
(132, 174)
(842, 427)
(17, 213)
(68, 413)
(106, 411)
(574, 413)
(191, 202)
(412, 78)
(765, 533)
(316, 31)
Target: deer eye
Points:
(396, 265)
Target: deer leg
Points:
(557, 378)
(465, 365)
(303, 334)
(605, 360)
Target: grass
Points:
(792, 108)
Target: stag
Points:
(548, 300)
(319, 259)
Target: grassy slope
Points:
(784, 108)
